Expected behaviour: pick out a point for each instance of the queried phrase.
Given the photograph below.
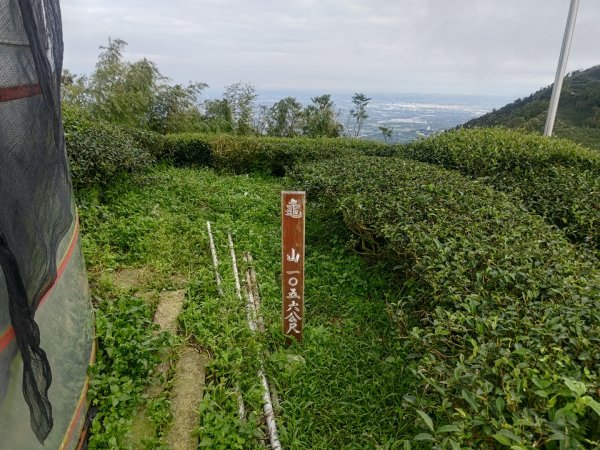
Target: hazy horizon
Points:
(507, 48)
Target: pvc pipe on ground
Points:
(251, 315)
(215, 261)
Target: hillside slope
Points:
(578, 116)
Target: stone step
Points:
(186, 395)
(168, 309)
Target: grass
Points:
(343, 388)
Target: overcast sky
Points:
(505, 47)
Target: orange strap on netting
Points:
(17, 92)
(8, 334)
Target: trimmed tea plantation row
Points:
(555, 178)
(501, 314)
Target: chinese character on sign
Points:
(292, 294)
(293, 215)
(294, 256)
(293, 318)
(292, 209)
(293, 306)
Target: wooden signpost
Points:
(292, 262)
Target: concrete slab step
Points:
(186, 395)
(168, 309)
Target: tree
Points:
(260, 124)
(74, 89)
(594, 120)
(386, 132)
(175, 108)
(218, 115)
(133, 94)
(359, 112)
(285, 118)
(240, 98)
(120, 91)
(320, 118)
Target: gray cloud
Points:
(483, 46)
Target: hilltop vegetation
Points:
(490, 286)
(495, 310)
(578, 115)
(472, 320)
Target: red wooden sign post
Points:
(292, 262)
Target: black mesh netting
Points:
(35, 190)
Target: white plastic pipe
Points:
(215, 261)
(251, 317)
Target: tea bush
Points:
(188, 149)
(553, 177)
(99, 151)
(506, 311)
(246, 154)
(152, 142)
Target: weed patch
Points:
(128, 351)
(343, 388)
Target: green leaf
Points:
(424, 437)
(500, 404)
(206, 442)
(557, 436)
(542, 393)
(449, 429)
(455, 445)
(593, 404)
(575, 386)
(507, 437)
(502, 439)
(470, 399)
(426, 419)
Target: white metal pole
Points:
(562, 65)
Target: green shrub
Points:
(152, 142)
(271, 155)
(188, 149)
(99, 151)
(554, 178)
(506, 311)
(129, 348)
